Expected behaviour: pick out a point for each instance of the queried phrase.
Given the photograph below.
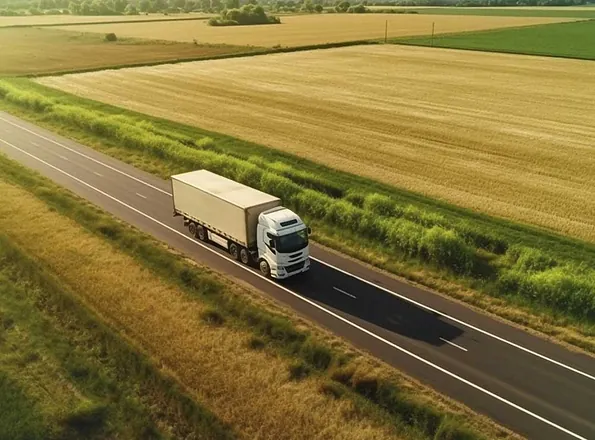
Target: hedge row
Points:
(408, 230)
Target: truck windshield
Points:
(292, 242)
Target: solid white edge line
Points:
(312, 303)
(458, 321)
(453, 344)
(72, 150)
(344, 293)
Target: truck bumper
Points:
(283, 274)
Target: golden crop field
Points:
(49, 50)
(312, 29)
(509, 135)
(40, 20)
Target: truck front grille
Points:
(294, 267)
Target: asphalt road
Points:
(534, 387)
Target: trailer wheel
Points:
(192, 228)
(201, 233)
(245, 256)
(234, 251)
(265, 269)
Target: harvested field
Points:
(508, 135)
(51, 20)
(43, 50)
(299, 30)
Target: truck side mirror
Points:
(272, 244)
(309, 230)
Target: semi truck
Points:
(251, 225)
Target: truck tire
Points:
(265, 269)
(201, 233)
(234, 251)
(245, 256)
(192, 228)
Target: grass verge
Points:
(566, 40)
(542, 280)
(65, 375)
(256, 366)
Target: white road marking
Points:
(97, 174)
(312, 303)
(344, 293)
(64, 158)
(454, 345)
(458, 321)
(84, 155)
(452, 318)
(35, 144)
(141, 196)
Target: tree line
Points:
(119, 7)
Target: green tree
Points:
(342, 6)
(144, 5)
(318, 8)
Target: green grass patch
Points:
(20, 418)
(567, 40)
(272, 331)
(394, 229)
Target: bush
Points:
(379, 204)
(445, 248)
(299, 370)
(246, 15)
(111, 37)
(529, 260)
(319, 356)
(357, 9)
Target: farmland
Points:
(534, 11)
(43, 50)
(297, 30)
(233, 352)
(53, 20)
(572, 40)
(464, 127)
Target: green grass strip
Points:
(565, 40)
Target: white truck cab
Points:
(282, 240)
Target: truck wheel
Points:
(245, 256)
(201, 233)
(192, 229)
(234, 251)
(265, 269)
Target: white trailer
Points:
(250, 224)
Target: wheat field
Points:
(509, 135)
(305, 30)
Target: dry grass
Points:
(509, 135)
(42, 20)
(44, 50)
(312, 29)
(247, 388)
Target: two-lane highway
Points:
(535, 387)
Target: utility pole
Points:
(433, 34)
(385, 31)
